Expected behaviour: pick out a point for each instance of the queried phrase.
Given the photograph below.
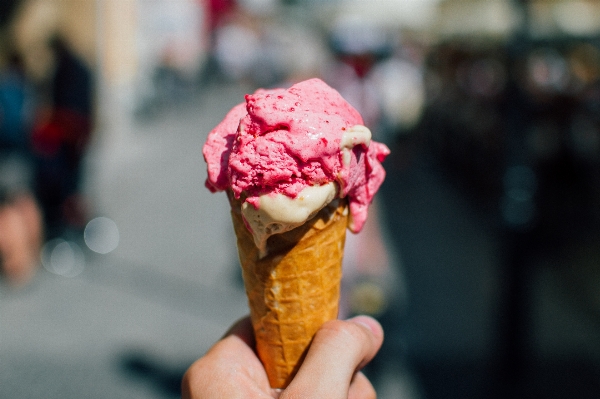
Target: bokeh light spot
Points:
(64, 258)
(101, 235)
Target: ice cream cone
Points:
(295, 288)
(287, 153)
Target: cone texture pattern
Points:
(295, 288)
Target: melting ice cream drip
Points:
(352, 137)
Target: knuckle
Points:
(342, 331)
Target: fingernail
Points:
(369, 322)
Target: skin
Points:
(20, 239)
(231, 369)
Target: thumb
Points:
(338, 350)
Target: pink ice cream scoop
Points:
(283, 141)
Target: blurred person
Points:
(20, 218)
(219, 14)
(60, 141)
(331, 369)
(237, 47)
(252, 44)
(371, 279)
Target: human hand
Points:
(331, 369)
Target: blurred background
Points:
(482, 253)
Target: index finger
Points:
(243, 330)
(339, 349)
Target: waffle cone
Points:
(295, 288)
